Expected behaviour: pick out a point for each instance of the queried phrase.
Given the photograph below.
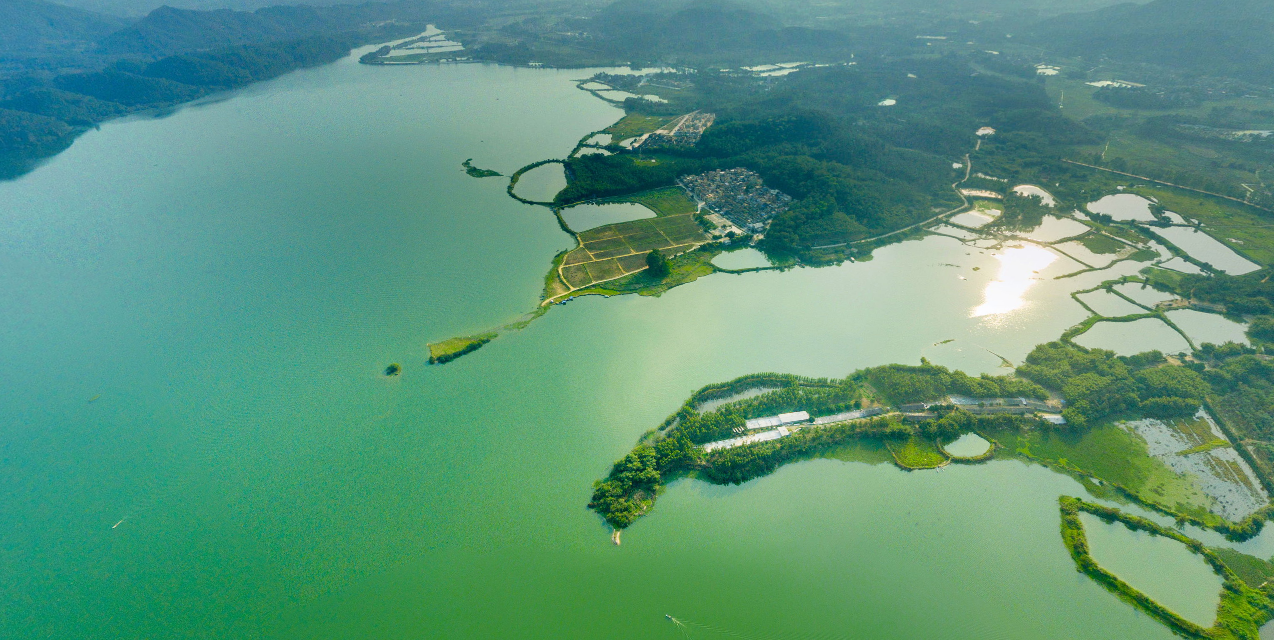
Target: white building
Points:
(783, 419)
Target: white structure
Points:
(764, 436)
(986, 131)
(850, 415)
(783, 419)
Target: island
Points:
(475, 172)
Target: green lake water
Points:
(1159, 567)
(229, 282)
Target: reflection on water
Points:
(1019, 267)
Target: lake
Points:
(196, 311)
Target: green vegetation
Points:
(1215, 443)
(1255, 572)
(634, 125)
(475, 172)
(616, 254)
(1101, 243)
(67, 70)
(666, 201)
(676, 444)
(450, 349)
(1241, 611)
(916, 453)
(656, 264)
(901, 384)
(1097, 384)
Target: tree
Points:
(657, 264)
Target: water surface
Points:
(1205, 248)
(968, 445)
(230, 281)
(1124, 206)
(1208, 327)
(741, 259)
(1128, 338)
(1159, 567)
(583, 217)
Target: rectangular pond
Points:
(1205, 248)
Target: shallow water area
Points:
(969, 445)
(1205, 248)
(1208, 327)
(1031, 190)
(1124, 206)
(742, 259)
(542, 183)
(976, 219)
(583, 217)
(1129, 338)
(1180, 264)
(1108, 304)
(1159, 567)
(956, 232)
(1054, 228)
(1143, 294)
(1085, 255)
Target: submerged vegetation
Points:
(475, 172)
(448, 350)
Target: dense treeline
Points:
(1096, 383)
(1250, 293)
(854, 167)
(630, 488)
(48, 96)
(901, 384)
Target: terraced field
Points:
(619, 249)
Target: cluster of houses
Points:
(738, 196)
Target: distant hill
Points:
(34, 27)
(167, 31)
(652, 28)
(1228, 38)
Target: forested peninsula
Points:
(91, 68)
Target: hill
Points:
(167, 31)
(1212, 38)
(34, 27)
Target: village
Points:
(740, 202)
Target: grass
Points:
(452, 348)
(1112, 454)
(1253, 571)
(1101, 244)
(1207, 446)
(633, 125)
(475, 172)
(620, 249)
(1226, 221)
(684, 268)
(666, 201)
(917, 453)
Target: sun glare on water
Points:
(1019, 267)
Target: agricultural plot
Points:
(616, 250)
